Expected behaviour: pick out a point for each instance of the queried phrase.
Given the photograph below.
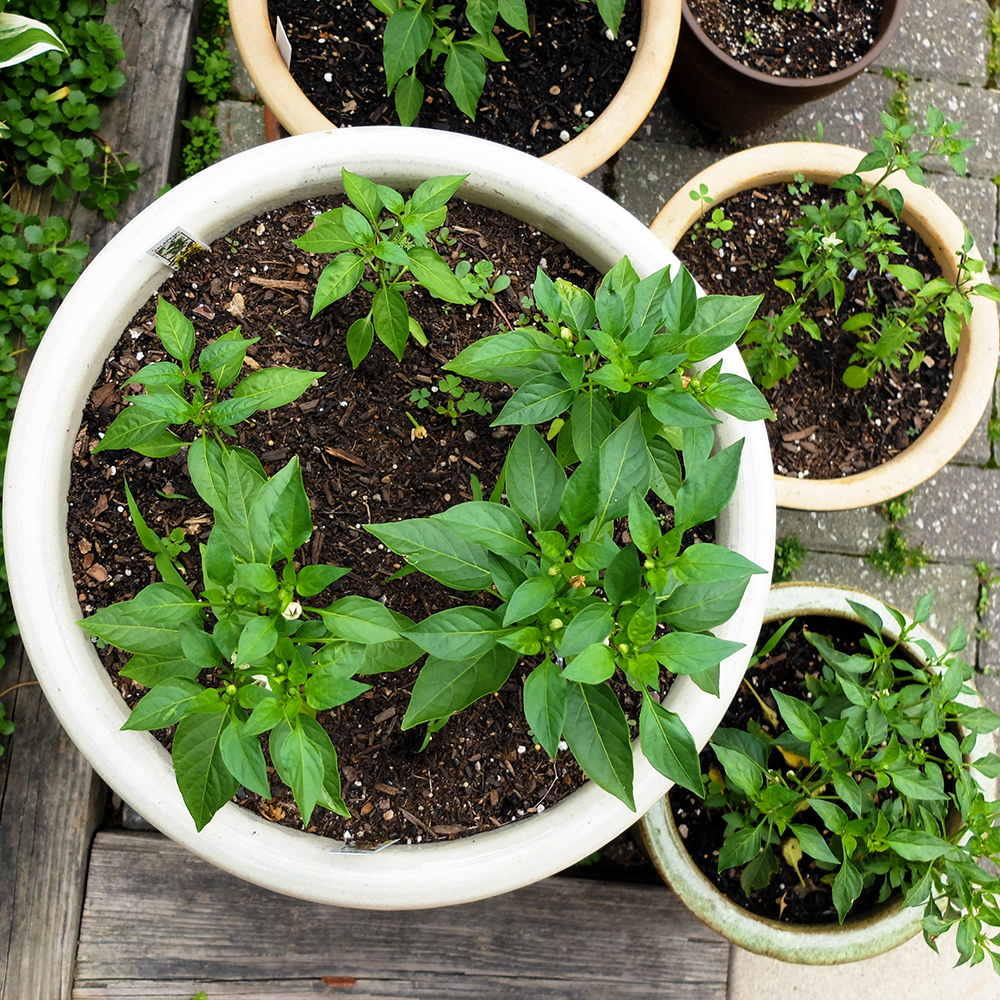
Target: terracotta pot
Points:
(864, 936)
(943, 232)
(716, 90)
(97, 309)
(603, 137)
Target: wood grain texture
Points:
(157, 918)
(50, 802)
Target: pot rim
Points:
(660, 26)
(98, 308)
(864, 936)
(887, 29)
(942, 230)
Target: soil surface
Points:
(785, 897)
(824, 429)
(352, 435)
(553, 85)
(791, 43)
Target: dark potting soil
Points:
(362, 463)
(824, 429)
(785, 897)
(791, 43)
(554, 82)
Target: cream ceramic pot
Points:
(95, 312)
(605, 135)
(943, 232)
(885, 927)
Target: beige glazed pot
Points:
(592, 147)
(864, 936)
(943, 232)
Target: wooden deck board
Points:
(50, 802)
(159, 922)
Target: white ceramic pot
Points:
(884, 927)
(90, 321)
(943, 232)
(605, 135)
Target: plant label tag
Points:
(177, 248)
(351, 848)
(281, 40)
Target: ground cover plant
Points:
(279, 660)
(57, 65)
(867, 777)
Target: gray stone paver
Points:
(976, 450)
(977, 107)
(650, 173)
(847, 117)
(956, 515)
(955, 585)
(943, 39)
(240, 125)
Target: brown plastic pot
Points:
(943, 232)
(716, 90)
(592, 147)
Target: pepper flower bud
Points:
(556, 623)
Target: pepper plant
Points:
(144, 426)
(868, 775)
(834, 243)
(587, 604)
(272, 660)
(419, 32)
(381, 230)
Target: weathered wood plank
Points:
(156, 914)
(50, 802)
(142, 121)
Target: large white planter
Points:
(886, 926)
(95, 312)
(661, 21)
(943, 232)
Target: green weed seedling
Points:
(456, 400)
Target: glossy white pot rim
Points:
(90, 321)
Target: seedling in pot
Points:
(874, 784)
(831, 245)
(456, 400)
(389, 234)
(588, 605)
(718, 221)
(144, 426)
(273, 660)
